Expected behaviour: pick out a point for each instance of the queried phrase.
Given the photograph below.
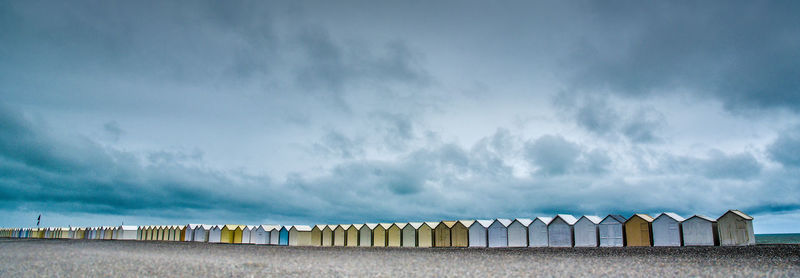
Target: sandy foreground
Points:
(73, 258)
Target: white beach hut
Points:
(667, 229)
(409, 235)
(259, 235)
(498, 233)
(585, 231)
(365, 234)
(478, 233)
(200, 233)
(247, 233)
(188, 234)
(610, 231)
(215, 234)
(274, 233)
(537, 232)
(126, 233)
(699, 230)
(518, 232)
(559, 231)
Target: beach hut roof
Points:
(672, 215)
(302, 228)
(467, 223)
(128, 228)
(616, 217)
(738, 213)
(358, 226)
(400, 225)
(371, 226)
(643, 216)
(546, 220)
(416, 225)
(271, 227)
(594, 219)
(448, 224)
(320, 226)
(385, 225)
(345, 226)
(524, 221)
(503, 221)
(706, 218)
(191, 226)
(431, 224)
(567, 218)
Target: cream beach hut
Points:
(735, 228)
(667, 229)
(352, 235)
(379, 234)
(300, 235)
(326, 232)
(699, 230)
(339, 237)
(537, 232)
(585, 231)
(316, 235)
(441, 233)
(498, 233)
(559, 231)
(215, 234)
(637, 230)
(459, 233)
(394, 235)
(518, 232)
(610, 231)
(478, 232)
(365, 234)
(409, 235)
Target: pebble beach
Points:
(81, 258)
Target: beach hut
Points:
(126, 233)
(394, 235)
(247, 234)
(409, 235)
(201, 233)
(300, 235)
(365, 234)
(478, 235)
(379, 234)
(140, 232)
(667, 229)
(498, 233)
(188, 232)
(735, 228)
(585, 231)
(559, 231)
(81, 234)
(459, 233)
(109, 233)
(259, 235)
(273, 234)
(283, 235)
(637, 230)
(146, 233)
(537, 232)
(227, 233)
(339, 238)
(699, 230)
(441, 233)
(518, 232)
(352, 235)
(326, 231)
(215, 234)
(316, 235)
(610, 231)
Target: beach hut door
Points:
(644, 232)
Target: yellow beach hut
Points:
(638, 231)
(352, 235)
(338, 235)
(394, 235)
(441, 234)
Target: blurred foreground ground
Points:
(79, 258)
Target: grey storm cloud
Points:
(346, 112)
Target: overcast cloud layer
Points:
(351, 112)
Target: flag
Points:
(38, 219)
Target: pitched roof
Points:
(431, 224)
(400, 225)
(738, 213)
(502, 221)
(358, 226)
(416, 225)
(302, 228)
(706, 218)
(524, 221)
(271, 227)
(592, 218)
(546, 220)
(615, 217)
(448, 224)
(371, 226)
(345, 226)
(128, 228)
(466, 223)
(567, 218)
(643, 216)
(672, 215)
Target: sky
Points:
(328, 112)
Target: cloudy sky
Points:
(363, 111)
